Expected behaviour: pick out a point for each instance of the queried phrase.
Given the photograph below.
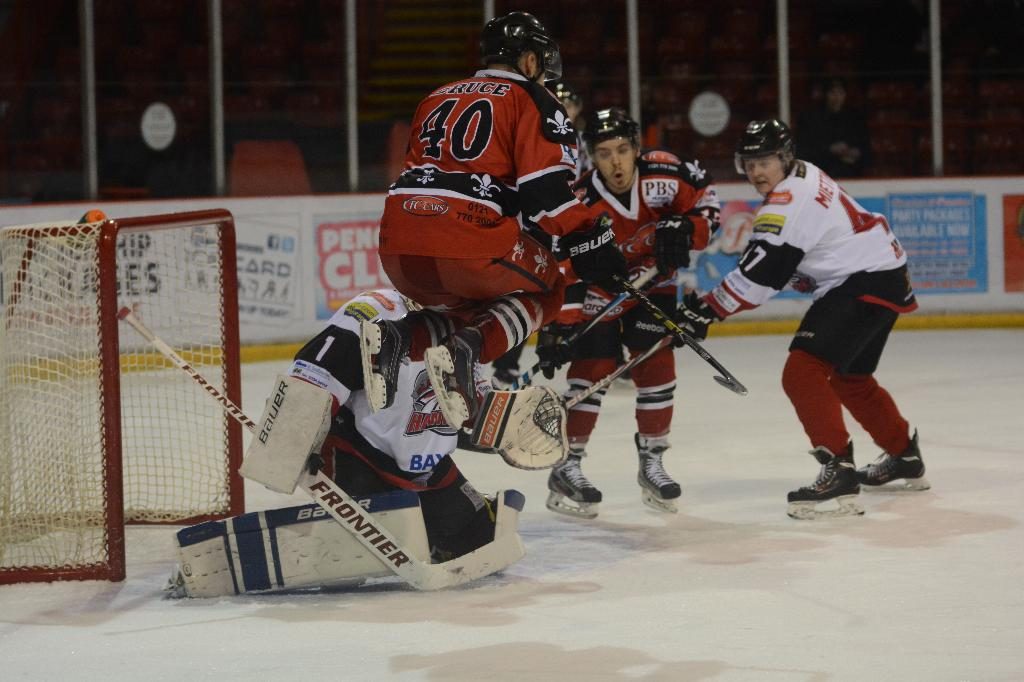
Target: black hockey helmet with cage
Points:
(506, 38)
(765, 138)
(607, 124)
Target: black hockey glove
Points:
(595, 257)
(552, 350)
(694, 315)
(673, 239)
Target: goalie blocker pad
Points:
(526, 427)
(293, 426)
(303, 547)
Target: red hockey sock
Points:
(806, 381)
(655, 380)
(421, 341)
(583, 417)
(506, 322)
(875, 410)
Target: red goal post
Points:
(96, 429)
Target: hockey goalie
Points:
(395, 463)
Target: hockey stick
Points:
(727, 379)
(344, 509)
(642, 279)
(618, 371)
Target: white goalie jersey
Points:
(413, 431)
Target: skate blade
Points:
(658, 504)
(370, 342)
(809, 510)
(899, 485)
(561, 504)
(439, 365)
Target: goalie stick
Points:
(727, 379)
(616, 373)
(642, 279)
(347, 511)
(553, 425)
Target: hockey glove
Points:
(552, 349)
(595, 257)
(673, 239)
(694, 315)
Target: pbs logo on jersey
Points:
(658, 192)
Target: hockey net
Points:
(96, 430)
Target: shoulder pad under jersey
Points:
(665, 163)
(554, 122)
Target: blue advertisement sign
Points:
(944, 237)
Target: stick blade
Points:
(732, 385)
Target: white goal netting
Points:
(94, 422)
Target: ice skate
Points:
(450, 369)
(837, 481)
(383, 344)
(657, 489)
(571, 493)
(907, 467)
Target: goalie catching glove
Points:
(695, 316)
(595, 257)
(526, 427)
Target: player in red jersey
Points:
(662, 207)
(487, 155)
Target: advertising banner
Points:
(1013, 242)
(347, 263)
(268, 278)
(944, 237)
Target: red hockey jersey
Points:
(483, 153)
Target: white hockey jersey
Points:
(810, 234)
(413, 430)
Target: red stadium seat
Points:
(267, 168)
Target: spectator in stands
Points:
(835, 137)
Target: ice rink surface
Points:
(926, 586)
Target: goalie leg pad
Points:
(291, 548)
(293, 426)
(506, 548)
(527, 427)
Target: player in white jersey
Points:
(405, 447)
(810, 234)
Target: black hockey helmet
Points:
(565, 94)
(606, 124)
(764, 138)
(506, 38)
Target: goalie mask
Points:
(607, 124)
(765, 138)
(506, 38)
